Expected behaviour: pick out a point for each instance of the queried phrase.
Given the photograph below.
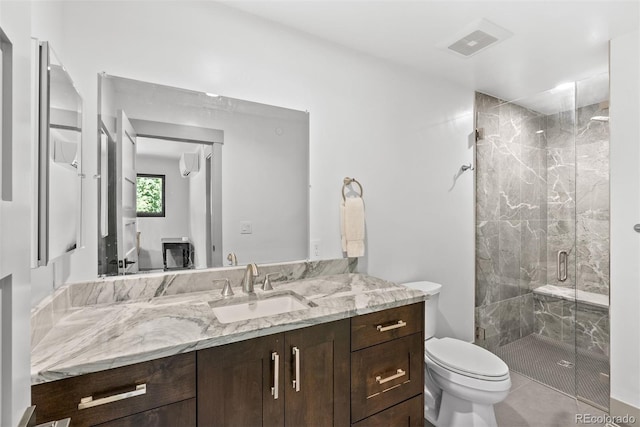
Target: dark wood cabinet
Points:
(386, 374)
(236, 383)
(116, 393)
(387, 366)
(181, 414)
(382, 326)
(317, 375)
(409, 413)
(362, 371)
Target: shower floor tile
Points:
(553, 364)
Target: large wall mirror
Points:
(60, 145)
(195, 180)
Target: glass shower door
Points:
(542, 235)
(525, 234)
(592, 241)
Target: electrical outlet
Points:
(315, 249)
(246, 227)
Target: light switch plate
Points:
(246, 227)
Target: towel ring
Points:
(348, 181)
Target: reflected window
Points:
(150, 195)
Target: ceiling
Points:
(553, 41)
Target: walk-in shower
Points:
(542, 235)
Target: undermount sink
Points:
(258, 305)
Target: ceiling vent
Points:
(475, 38)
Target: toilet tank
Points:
(430, 305)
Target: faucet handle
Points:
(227, 291)
(266, 286)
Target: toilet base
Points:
(456, 412)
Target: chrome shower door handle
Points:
(562, 265)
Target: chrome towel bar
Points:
(348, 181)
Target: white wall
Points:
(15, 220)
(260, 156)
(403, 135)
(625, 212)
(175, 223)
(198, 209)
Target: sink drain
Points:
(565, 364)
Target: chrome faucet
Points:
(249, 278)
(233, 260)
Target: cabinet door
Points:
(236, 384)
(317, 375)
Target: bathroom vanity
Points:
(354, 357)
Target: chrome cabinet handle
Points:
(276, 374)
(562, 265)
(399, 373)
(88, 402)
(400, 324)
(296, 380)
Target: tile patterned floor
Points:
(539, 357)
(531, 404)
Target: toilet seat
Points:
(435, 370)
(466, 359)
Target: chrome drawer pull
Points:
(296, 381)
(400, 324)
(88, 402)
(276, 374)
(400, 373)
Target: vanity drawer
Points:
(382, 326)
(385, 375)
(181, 414)
(409, 413)
(133, 389)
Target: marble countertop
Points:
(99, 337)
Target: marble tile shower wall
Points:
(592, 201)
(578, 197)
(578, 192)
(511, 216)
(584, 324)
(527, 203)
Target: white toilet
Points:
(462, 381)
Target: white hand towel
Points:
(352, 225)
(343, 237)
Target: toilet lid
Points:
(466, 359)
